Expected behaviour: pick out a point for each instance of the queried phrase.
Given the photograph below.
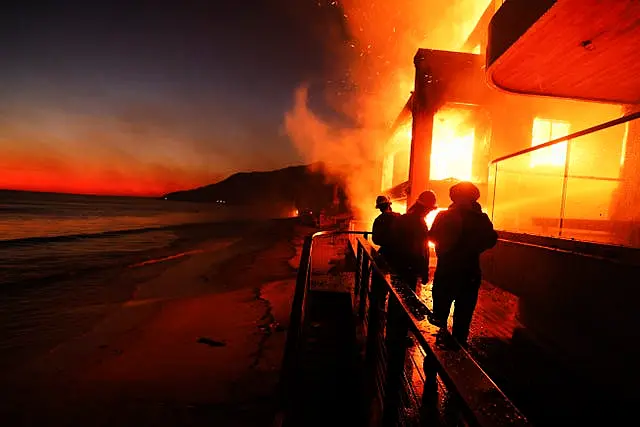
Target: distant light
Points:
(166, 198)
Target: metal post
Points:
(364, 286)
(372, 352)
(495, 185)
(429, 409)
(396, 345)
(564, 187)
(296, 320)
(357, 284)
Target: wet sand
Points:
(199, 342)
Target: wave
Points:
(33, 240)
(83, 236)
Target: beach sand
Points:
(199, 342)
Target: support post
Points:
(373, 347)
(357, 284)
(396, 345)
(429, 409)
(364, 286)
(422, 130)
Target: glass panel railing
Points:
(594, 173)
(528, 195)
(584, 187)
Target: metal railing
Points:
(570, 187)
(403, 376)
(297, 320)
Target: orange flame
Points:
(384, 38)
(452, 146)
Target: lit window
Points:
(544, 131)
(452, 145)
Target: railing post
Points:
(357, 284)
(373, 348)
(296, 322)
(429, 409)
(396, 345)
(364, 286)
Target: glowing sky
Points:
(146, 97)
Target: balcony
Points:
(578, 49)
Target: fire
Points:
(401, 140)
(386, 36)
(401, 207)
(451, 151)
(452, 146)
(431, 216)
(387, 173)
(372, 82)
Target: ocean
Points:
(66, 261)
(44, 236)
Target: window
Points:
(545, 130)
(452, 144)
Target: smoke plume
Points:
(374, 85)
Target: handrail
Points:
(483, 403)
(574, 135)
(302, 286)
(296, 317)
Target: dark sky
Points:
(143, 97)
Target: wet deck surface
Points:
(547, 392)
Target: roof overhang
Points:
(578, 49)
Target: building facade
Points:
(568, 212)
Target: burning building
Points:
(567, 211)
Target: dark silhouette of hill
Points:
(304, 186)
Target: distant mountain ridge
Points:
(305, 186)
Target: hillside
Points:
(298, 186)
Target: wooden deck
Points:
(537, 384)
(543, 388)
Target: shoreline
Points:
(182, 237)
(201, 336)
